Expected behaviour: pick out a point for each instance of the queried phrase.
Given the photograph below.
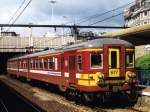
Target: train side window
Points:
(35, 64)
(24, 64)
(72, 63)
(31, 63)
(45, 64)
(50, 63)
(130, 60)
(79, 62)
(41, 63)
(19, 64)
(62, 63)
(95, 60)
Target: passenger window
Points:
(45, 64)
(41, 63)
(31, 64)
(62, 63)
(129, 60)
(50, 63)
(71, 62)
(96, 60)
(35, 64)
(79, 62)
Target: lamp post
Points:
(52, 9)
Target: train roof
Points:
(88, 44)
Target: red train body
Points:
(94, 67)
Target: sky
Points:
(64, 12)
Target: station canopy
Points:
(138, 35)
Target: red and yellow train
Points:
(89, 69)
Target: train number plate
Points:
(114, 73)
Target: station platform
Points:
(145, 90)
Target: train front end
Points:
(118, 69)
(111, 70)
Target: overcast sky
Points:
(65, 11)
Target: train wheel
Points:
(87, 98)
(100, 99)
(69, 95)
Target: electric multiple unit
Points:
(88, 69)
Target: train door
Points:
(72, 68)
(114, 62)
(63, 80)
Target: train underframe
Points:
(101, 96)
(130, 91)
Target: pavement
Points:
(145, 90)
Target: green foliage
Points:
(143, 62)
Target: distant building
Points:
(147, 49)
(48, 34)
(9, 34)
(138, 14)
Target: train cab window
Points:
(130, 60)
(96, 60)
(50, 63)
(79, 62)
(113, 59)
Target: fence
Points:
(144, 76)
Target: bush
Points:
(143, 62)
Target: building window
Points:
(145, 22)
(79, 62)
(130, 60)
(96, 60)
(50, 63)
(145, 13)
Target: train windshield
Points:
(96, 60)
(130, 60)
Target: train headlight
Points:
(100, 75)
(101, 81)
(131, 74)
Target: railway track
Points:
(11, 100)
(58, 102)
(3, 106)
